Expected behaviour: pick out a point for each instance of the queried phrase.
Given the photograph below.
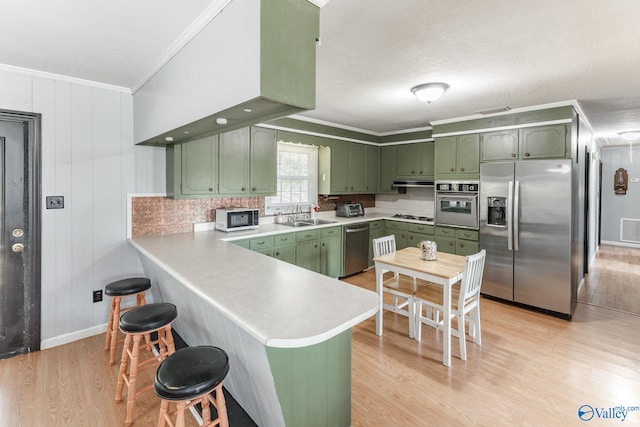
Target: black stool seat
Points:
(130, 286)
(148, 317)
(190, 372)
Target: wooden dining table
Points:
(446, 270)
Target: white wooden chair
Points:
(465, 303)
(400, 286)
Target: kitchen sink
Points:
(307, 222)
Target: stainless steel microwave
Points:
(236, 219)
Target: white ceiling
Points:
(492, 53)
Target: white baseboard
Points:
(73, 336)
(628, 245)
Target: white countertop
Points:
(278, 303)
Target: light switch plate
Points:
(55, 202)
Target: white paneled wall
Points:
(88, 156)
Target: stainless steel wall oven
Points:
(457, 203)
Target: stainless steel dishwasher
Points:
(355, 248)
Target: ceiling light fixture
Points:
(630, 135)
(429, 92)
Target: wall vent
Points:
(630, 230)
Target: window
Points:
(297, 178)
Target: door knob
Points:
(17, 247)
(17, 232)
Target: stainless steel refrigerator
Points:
(526, 228)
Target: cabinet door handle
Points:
(451, 170)
(513, 154)
(277, 253)
(210, 188)
(253, 189)
(527, 154)
(461, 169)
(244, 188)
(420, 172)
(462, 245)
(450, 243)
(323, 245)
(413, 172)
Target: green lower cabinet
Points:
(244, 243)
(459, 241)
(467, 242)
(308, 250)
(314, 382)
(419, 232)
(331, 251)
(446, 239)
(286, 254)
(399, 231)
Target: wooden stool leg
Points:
(114, 330)
(206, 410)
(123, 367)
(164, 413)
(107, 342)
(180, 421)
(133, 379)
(221, 407)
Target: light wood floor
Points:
(532, 369)
(614, 282)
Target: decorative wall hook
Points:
(620, 181)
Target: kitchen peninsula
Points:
(287, 330)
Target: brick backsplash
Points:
(161, 215)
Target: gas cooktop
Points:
(414, 217)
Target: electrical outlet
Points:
(55, 202)
(97, 296)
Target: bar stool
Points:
(137, 323)
(188, 377)
(134, 286)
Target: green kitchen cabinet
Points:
(284, 247)
(500, 145)
(371, 168)
(308, 255)
(445, 238)
(419, 232)
(539, 142)
(286, 254)
(244, 243)
(545, 142)
(308, 250)
(399, 230)
(415, 161)
(247, 162)
(331, 251)
(376, 230)
(467, 242)
(458, 157)
(387, 169)
(263, 173)
(459, 241)
(192, 168)
(342, 168)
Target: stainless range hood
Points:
(408, 183)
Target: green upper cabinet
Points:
(500, 145)
(233, 162)
(458, 157)
(371, 168)
(415, 161)
(342, 168)
(192, 168)
(545, 142)
(264, 157)
(387, 169)
(247, 162)
(539, 142)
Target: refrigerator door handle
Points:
(516, 215)
(510, 217)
